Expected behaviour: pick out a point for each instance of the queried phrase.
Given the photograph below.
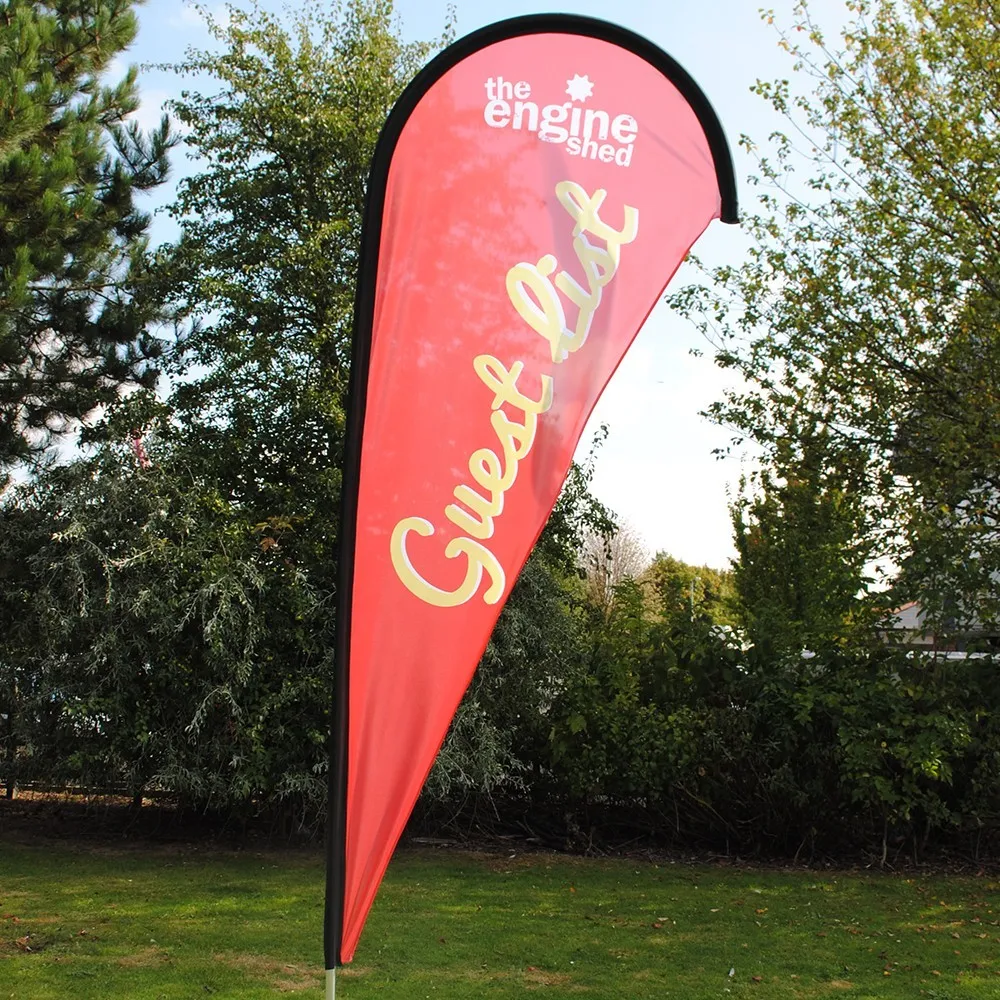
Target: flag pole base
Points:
(331, 984)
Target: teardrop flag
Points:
(531, 194)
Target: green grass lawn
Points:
(145, 924)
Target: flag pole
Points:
(357, 398)
(336, 815)
(336, 820)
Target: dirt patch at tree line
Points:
(111, 823)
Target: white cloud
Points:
(151, 108)
(188, 16)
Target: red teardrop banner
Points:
(532, 193)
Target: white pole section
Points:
(331, 984)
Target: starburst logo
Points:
(579, 88)
(589, 133)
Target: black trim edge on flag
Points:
(364, 308)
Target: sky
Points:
(656, 470)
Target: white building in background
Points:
(908, 626)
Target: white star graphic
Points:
(580, 87)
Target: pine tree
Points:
(75, 300)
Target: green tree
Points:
(146, 637)
(177, 574)
(269, 248)
(804, 545)
(866, 308)
(680, 591)
(75, 303)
